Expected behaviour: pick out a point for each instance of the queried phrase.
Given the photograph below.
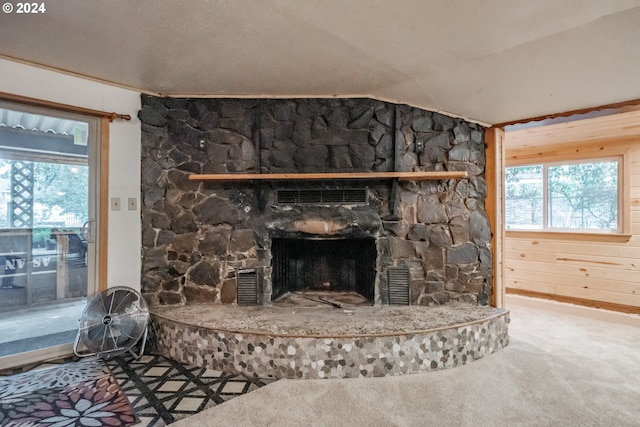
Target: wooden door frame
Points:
(102, 210)
(102, 179)
(494, 205)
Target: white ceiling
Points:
(491, 61)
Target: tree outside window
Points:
(524, 201)
(60, 194)
(563, 196)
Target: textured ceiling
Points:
(490, 61)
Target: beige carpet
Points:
(559, 370)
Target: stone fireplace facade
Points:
(198, 236)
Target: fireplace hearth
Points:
(326, 342)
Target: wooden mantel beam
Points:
(403, 176)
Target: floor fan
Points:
(112, 323)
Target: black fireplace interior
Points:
(323, 264)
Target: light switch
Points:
(132, 203)
(115, 203)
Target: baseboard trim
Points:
(577, 301)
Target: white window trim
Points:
(624, 207)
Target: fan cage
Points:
(112, 323)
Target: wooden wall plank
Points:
(614, 126)
(580, 301)
(539, 283)
(553, 152)
(579, 259)
(567, 278)
(596, 270)
(575, 248)
(590, 294)
(580, 272)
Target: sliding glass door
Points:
(47, 226)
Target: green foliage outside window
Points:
(60, 193)
(63, 186)
(524, 201)
(583, 195)
(573, 196)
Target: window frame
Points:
(100, 181)
(624, 184)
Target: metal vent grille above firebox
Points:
(344, 196)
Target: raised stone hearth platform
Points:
(328, 342)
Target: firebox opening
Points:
(327, 265)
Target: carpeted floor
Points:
(80, 393)
(559, 370)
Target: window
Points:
(581, 195)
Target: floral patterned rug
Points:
(77, 394)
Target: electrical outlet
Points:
(115, 203)
(132, 203)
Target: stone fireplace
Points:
(201, 239)
(389, 270)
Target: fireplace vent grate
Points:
(399, 286)
(345, 196)
(247, 285)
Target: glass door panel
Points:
(46, 255)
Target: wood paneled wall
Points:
(589, 269)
